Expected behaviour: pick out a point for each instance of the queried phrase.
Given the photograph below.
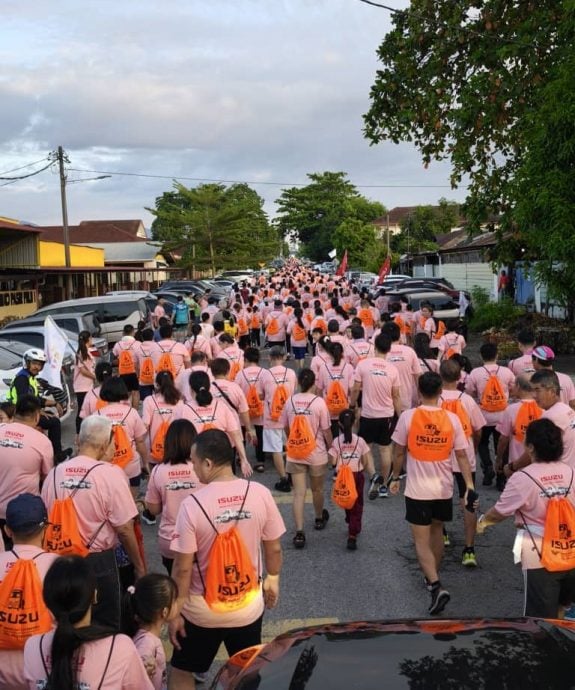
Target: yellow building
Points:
(52, 255)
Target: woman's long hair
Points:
(83, 339)
(69, 589)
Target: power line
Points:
(23, 177)
(254, 183)
(21, 167)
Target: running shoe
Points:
(321, 522)
(439, 599)
(468, 558)
(352, 544)
(570, 613)
(299, 540)
(148, 518)
(283, 485)
(375, 483)
(383, 491)
(488, 476)
(446, 539)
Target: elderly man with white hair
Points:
(105, 511)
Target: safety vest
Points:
(32, 384)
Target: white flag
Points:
(332, 253)
(463, 303)
(54, 346)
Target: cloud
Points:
(237, 90)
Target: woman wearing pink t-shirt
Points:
(77, 654)
(313, 408)
(170, 482)
(206, 413)
(526, 497)
(198, 342)
(92, 402)
(334, 369)
(84, 374)
(158, 408)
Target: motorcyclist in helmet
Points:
(26, 383)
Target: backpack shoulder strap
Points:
(42, 657)
(84, 477)
(538, 484)
(226, 397)
(205, 514)
(107, 662)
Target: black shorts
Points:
(546, 591)
(136, 481)
(377, 430)
(131, 381)
(424, 512)
(461, 483)
(200, 646)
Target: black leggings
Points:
(79, 402)
(52, 426)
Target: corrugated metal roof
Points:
(133, 252)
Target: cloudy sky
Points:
(262, 91)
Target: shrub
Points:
(502, 314)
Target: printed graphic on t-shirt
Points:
(231, 515)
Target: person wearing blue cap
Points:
(26, 521)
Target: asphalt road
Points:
(326, 583)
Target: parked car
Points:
(73, 322)
(431, 284)
(33, 335)
(113, 312)
(148, 297)
(444, 306)
(526, 653)
(11, 355)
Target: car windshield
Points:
(10, 358)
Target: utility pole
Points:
(387, 221)
(62, 158)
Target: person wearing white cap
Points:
(543, 358)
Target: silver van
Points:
(112, 311)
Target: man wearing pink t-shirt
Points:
(526, 343)
(276, 317)
(405, 360)
(379, 384)
(105, 511)
(425, 438)
(225, 502)
(178, 353)
(27, 456)
(546, 391)
(543, 358)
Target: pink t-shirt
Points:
(182, 382)
(81, 382)
(567, 393)
(522, 494)
(357, 350)
(329, 372)
(199, 344)
(522, 365)
(144, 350)
(564, 417)
(126, 416)
(476, 419)
(319, 360)
(233, 354)
(317, 414)
(12, 660)
(282, 321)
(27, 456)
(125, 670)
(90, 402)
(234, 393)
(260, 520)
(103, 499)
(302, 342)
(378, 378)
(451, 341)
(155, 411)
(427, 481)
(168, 486)
(477, 380)
(405, 360)
(178, 352)
(217, 413)
(271, 379)
(506, 427)
(248, 376)
(153, 657)
(349, 453)
(129, 344)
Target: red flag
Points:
(342, 268)
(384, 270)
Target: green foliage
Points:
(497, 315)
(489, 86)
(358, 238)
(312, 214)
(421, 228)
(214, 227)
(479, 296)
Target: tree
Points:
(312, 214)
(360, 241)
(214, 227)
(470, 81)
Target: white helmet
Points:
(33, 355)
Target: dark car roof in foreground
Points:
(431, 654)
